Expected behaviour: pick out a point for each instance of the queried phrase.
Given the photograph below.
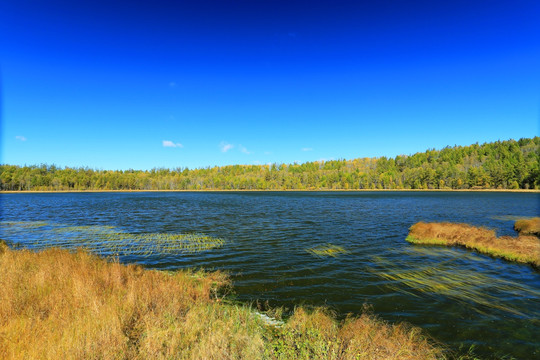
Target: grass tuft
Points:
(74, 305)
(528, 226)
(3, 246)
(525, 249)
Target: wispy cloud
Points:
(224, 146)
(21, 138)
(267, 153)
(244, 150)
(168, 143)
(307, 149)
(172, 84)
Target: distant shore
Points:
(273, 190)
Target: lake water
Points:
(459, 297)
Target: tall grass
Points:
(525, 249)
(57, 304)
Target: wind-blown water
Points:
(337, 249)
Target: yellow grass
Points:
(524, 249)
(528, 226)
(60, 305)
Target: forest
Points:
(507, 164)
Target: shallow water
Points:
(337, 249)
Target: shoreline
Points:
(273, 190)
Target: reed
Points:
(524, 249)
(74, 305)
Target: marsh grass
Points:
(528, 226)
(56, 304)
(525, 249)
(107, 240)
(327, 250)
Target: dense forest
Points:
(498, 165)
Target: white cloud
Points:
(224, 146)
(244, 150)
(172, 84)
(307, 149)
(21, 138)
(267, 153)
(168, 143)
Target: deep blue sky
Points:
(109, 84)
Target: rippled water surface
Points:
(338, 249)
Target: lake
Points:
(275, 246)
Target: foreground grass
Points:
(525, 249)
(56, 304)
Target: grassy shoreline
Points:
(57, 304)
(274, 190)
(523, 248)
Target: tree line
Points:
(497, 165)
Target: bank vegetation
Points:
(57, 304)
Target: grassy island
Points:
(523, 248)
(74, 305)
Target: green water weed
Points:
(108, 240)
(327, 250)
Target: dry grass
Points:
(316, 335)
(525, 249)
(55, 304)
(60, 305)
(528, 226)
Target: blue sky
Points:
(199, 83)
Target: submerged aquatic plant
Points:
(508, 217)
(481, 292)
(106, 240)
(327, 250)
(24, 224)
